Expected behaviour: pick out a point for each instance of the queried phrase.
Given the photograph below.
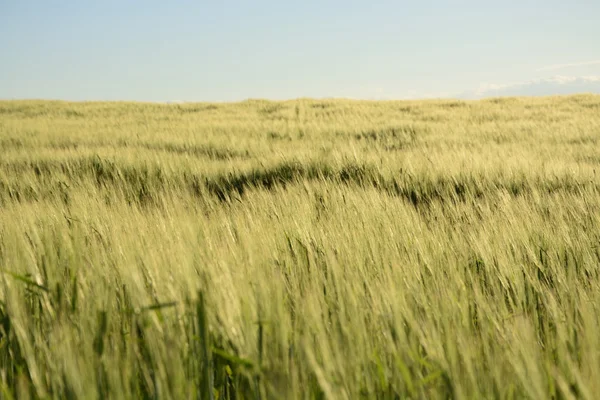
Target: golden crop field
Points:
(309, 249)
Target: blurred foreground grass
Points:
(302, 249)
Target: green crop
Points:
(305, 249)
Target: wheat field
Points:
(306, 249)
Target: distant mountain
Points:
(557, 85)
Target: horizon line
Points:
(333, 98)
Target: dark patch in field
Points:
(190, 109)
(584, 140)
(278, 136)
(269, 109)
(454, 104)
(197, 150)
(408, 133)
(417, 190)
(74, 114)
(592, 106)
(11, 143)
(209, 151)
(145, 184)
(501, 100)
(391, 138)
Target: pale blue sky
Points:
(231, 50)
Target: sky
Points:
(233, 49)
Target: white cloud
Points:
(570, 65)
(556, 85)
